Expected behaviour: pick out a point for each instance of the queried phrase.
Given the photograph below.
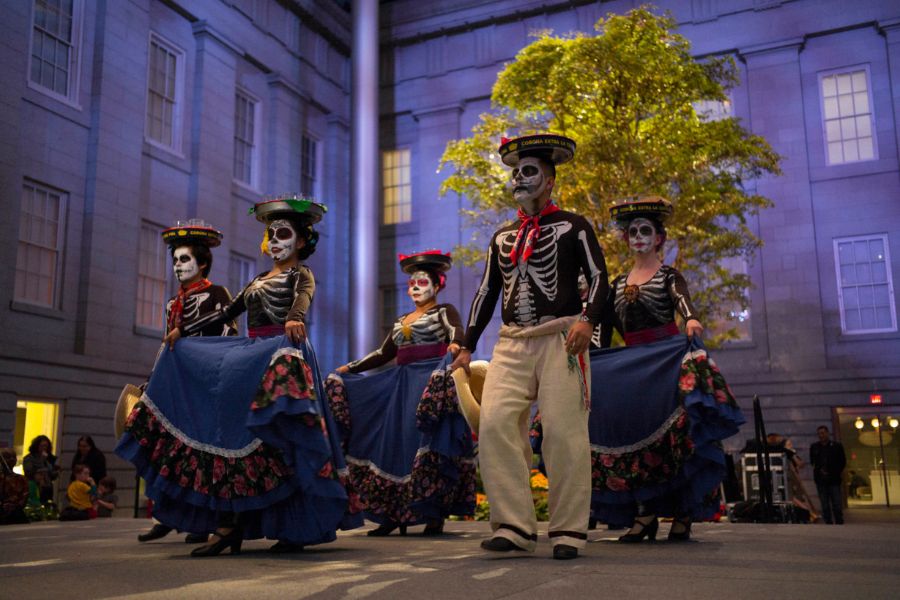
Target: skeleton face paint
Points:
(528, 184)
(184, 264)
(282, 239)
(421, 290)
(642, 236)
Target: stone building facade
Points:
(120, 117)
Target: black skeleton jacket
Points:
(440, 323)
(267, 301)
(652, 304)
(546, 286)
(200, 304)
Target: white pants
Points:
(531, 364)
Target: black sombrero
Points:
(648, 207)
(429, 259)
(194, 231)
(289, 204)
(553, 148)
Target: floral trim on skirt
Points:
(437, 476)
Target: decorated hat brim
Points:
(192, 234)
(557, 149)
(438, 262)
(658, 209)
(306, 209)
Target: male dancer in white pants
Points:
(541, 354)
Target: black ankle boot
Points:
(233, 539)
(386, 528)
(156, 532)
(647, 530)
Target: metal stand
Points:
(767, 507)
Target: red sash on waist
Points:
(654, 334)
(411, 354)
(265, 331)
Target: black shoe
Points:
(196, 538)
(648, 529)
(564, 552)
(386, 529)
(157, 531)
(500, 544)
(680, 536)
(282, 547)
(434, 528)
(233, 539)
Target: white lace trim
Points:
(644, 442)
(189, 441)
(286, 350)
(693, 355)
(405, 479)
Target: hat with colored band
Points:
(290, 204)
(194, 231)
(553, 148)
(429, 259)
(648, 207)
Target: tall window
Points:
(153, 266)
(54, 53)
(38, 258)
(245, 146)
(865, 288)
(240, 271)
(847, 111)
(396, 188)
(307, 166)
(164, 94)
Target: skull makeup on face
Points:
(421, 289)
(641, 236)
(184, 264)
(528, 184)
(282, 239)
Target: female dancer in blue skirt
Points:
(408, 446)
(657, 421)
(235, 435)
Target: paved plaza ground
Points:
(102, 559)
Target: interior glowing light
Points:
(876, 423)
(859, 423)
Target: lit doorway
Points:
(34, 418)
(872, 443)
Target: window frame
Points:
(178, 110)
(167, 279)
(384, 188)
(60, 246)
(890, 283)
(255, 158)
(874, 130)
(70, 98)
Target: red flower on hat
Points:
(504, 140)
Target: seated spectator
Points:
(40, 459)
(106, 497)
(13, 490)
(88, 454)
(81, 494)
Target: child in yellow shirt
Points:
(81, 493)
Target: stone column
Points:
(364, 180)
(793, 307)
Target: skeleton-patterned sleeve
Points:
(222, 298)
(452, 323)
(485, 298)
(594, 267)
(678, 291)
(218, 317)
(375, 358)
(304, 289)
(610, 321)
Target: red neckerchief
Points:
(533, 233)
(177, 309)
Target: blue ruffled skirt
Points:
(408, 446)
(658, 414)
(240, 425)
